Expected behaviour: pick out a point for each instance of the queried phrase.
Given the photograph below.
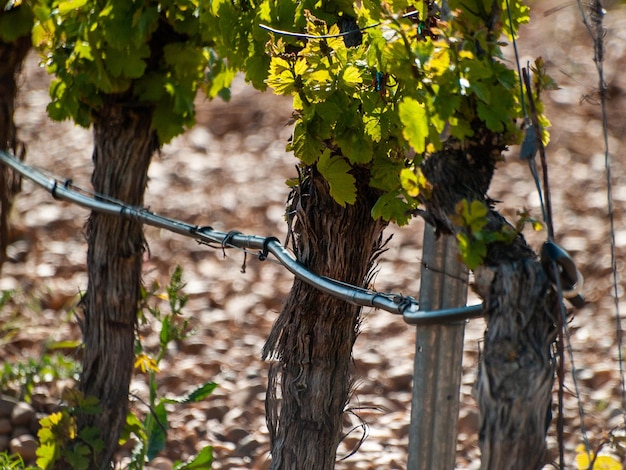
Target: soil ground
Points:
(229, 172)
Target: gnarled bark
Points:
(12, 56)
(123, 146)
(514, 385)
(517, 368)
(312, 338)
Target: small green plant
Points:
(59, 439)
(13, 462)
(5, 296)
(151, 432)
(476, 236)
(19, 379)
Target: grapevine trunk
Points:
(312, 339)
(123, 146)
(513, 387)
(11, 57)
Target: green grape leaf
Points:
(499, 113)
(202, 461)
(329, 110)
(69, 5)
(166, 123)
(127, 63)
(150, 87)
(472, 215)
(385, 173)
(490, 116)
(391, 208)
(158, 437)
(281, 77)
(220, 78)
(335, 169)
(472, 252)
(305, 146)
(47, 454)
(133, 426)
(351, 77)
(415, 123)
(410, 182)
(355, 146)
(256, 70)
(187, 61)
(196, 395)
(77, 457)
(519, 13)
(481, 91)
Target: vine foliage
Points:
(380, 85)
(155, 53)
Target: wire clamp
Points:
(264, 253)
(570, 279)
(228, 239)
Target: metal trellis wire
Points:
(399, 304)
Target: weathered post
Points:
(438, 358)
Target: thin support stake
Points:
(438, 359)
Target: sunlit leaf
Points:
(304, 145)
(202, 461)
(351, 76)
(195, 395)
(66, 6)
(133, 426)
(47, 454)
(415, 121)
(300, 67)
(602, 462)
(409, 182)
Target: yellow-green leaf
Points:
(415, 121)
(351, 76)
(408, 180)
(83, 50)
(322, 76)
(474, 214)
(602, 462)
(439, 61)
(300, 67)
(47, 454)
(69, 5)
(279, 65)
(282, 84)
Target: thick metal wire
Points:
(393, 303)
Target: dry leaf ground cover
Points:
(229, 172)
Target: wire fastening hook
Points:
(570, 279)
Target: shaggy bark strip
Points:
(12, 56)
(123, 147)
(312, 339)
(517, 367)
(514, 385)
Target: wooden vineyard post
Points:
(438, 358)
